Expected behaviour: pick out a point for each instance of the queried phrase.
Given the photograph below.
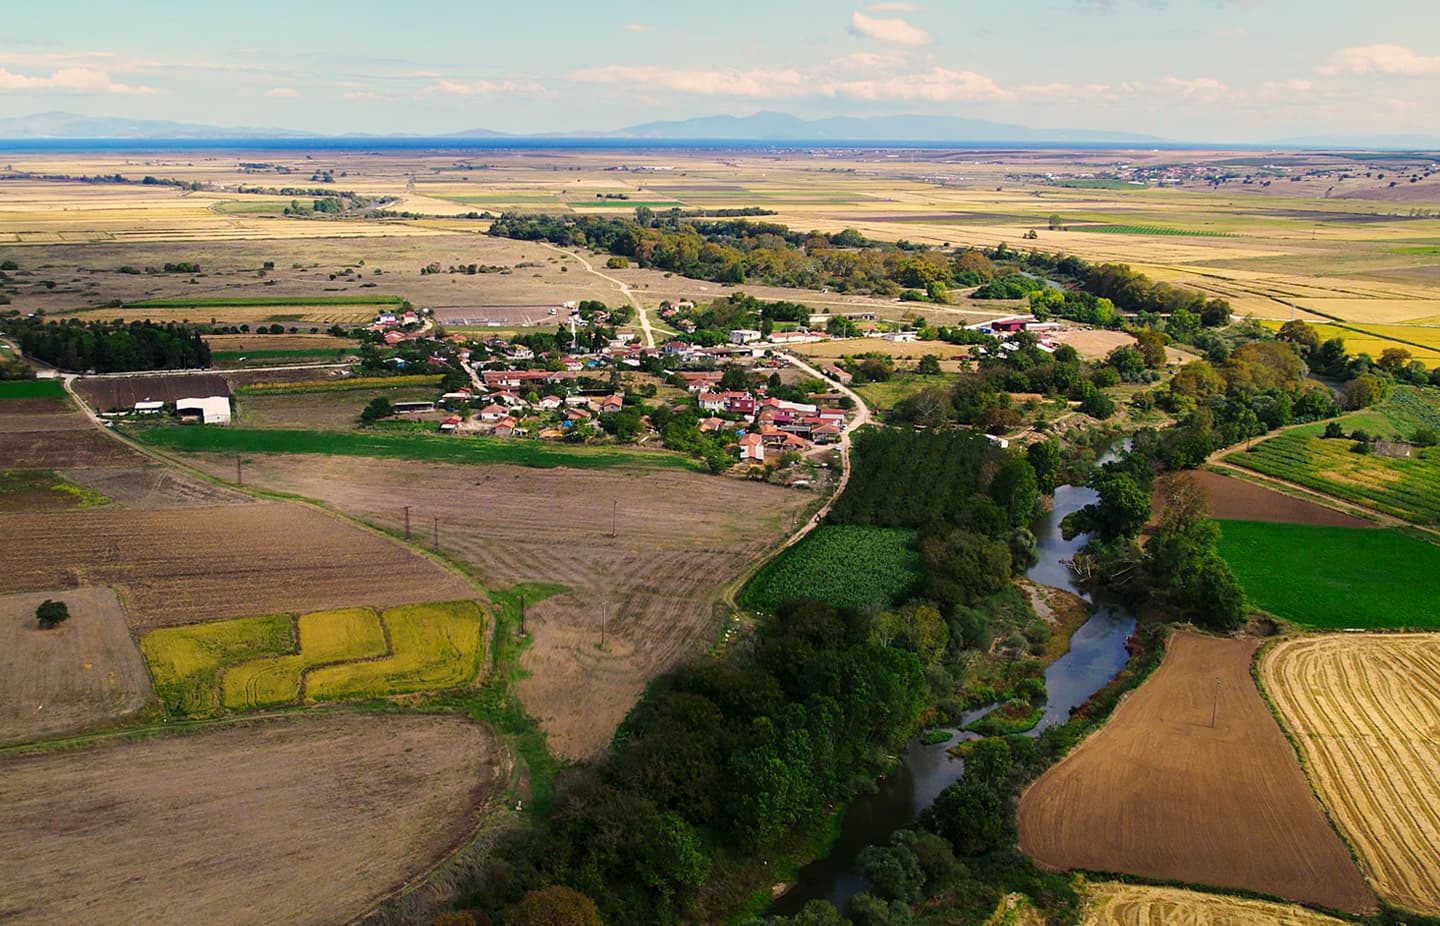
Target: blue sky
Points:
(1215, 70)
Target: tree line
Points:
(110, 346)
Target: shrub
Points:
(52, 613)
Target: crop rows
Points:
(845, 565)
(1407, 488)
(1151, 230)
(1362, 710)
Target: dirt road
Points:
(623, 286)
(861, 418)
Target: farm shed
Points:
(149, 407)
(213, 409)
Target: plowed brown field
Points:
(186, 565)
(78, 675)
(1233, 499)
(304, 820)
(680, 537)
(51, 433)
(1365, 710)
(1114, 904)
(1161, 793)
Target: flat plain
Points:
(1160, 793)
(196, 564)
(303, 820)
(84, 673)
(1363, 710)
(680, 537)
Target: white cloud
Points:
(1381, 59)
(896, 31)
(639, 27)
(68, 80)
(896, 7)
(282, 92)
(1204, 88)
(1297, 84)
(366, 96)
(483, 88)
(937, 85)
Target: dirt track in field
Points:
(196, 564)
(74, 677)
(681, 537)
(1365, 710)
(1160, 793)
(304, 820)
(1115, 904)
(1234, 499)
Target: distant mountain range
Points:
(763, 127)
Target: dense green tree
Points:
(52, 613)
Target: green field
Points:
(32, 389)
(337, 385)
(434, 646)
(257, 662)
(1335, 577)
(314, 353)
(1149, 230)
(186, 662)
(424, 447)
(842, 564)
(1408, 488)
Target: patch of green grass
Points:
(44, 490)
(424, 447)
(1423, 251)
(263, 301)
(884, 396)
(32, 389)
(1335, 577)
(842, 564)
(238, 207)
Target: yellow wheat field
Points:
(1365, 711)
(1114, 904)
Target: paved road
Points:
(624, 290)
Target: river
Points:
(1097, 653)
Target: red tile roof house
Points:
(752, 448)
(551, 402)
(712, 424)
(837, 374)
(505, 427)
(612, 403)
(450, 424)
(494, 413)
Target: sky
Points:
(1188, 70)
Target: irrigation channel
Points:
(1097, 653)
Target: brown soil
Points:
(681, 537)
(1160, 793)
(1363, 709)
(305, 820)
(154, 487)
(198, 564)
(122, 392)
(1234, 499)
(77, 676)
(54, 435)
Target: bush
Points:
(52, 613)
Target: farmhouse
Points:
(213, 409)
(450, 424)
(149, 407)
(837, 374)
(752, 448)
(744, 336)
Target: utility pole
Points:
(614, 515)
(407, 522)
(436, 543)
(239, 479)
(522, 615)
(1215, 708)
(604, 615)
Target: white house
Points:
(744, 336)
(752, 448)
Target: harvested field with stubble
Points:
(77, 676)
(1160, 793)
(681, 537)
(301, 820)
(186, 565)
(50, 433)
(1363, 711)
(1116, 904)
